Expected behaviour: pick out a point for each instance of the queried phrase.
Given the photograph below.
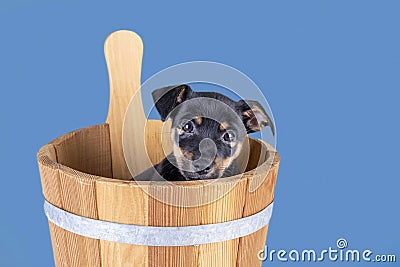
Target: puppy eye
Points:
(229, 136)
(188, 127)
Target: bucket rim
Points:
(43, 157)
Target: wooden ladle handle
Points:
(123, 51)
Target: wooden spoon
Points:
(123, 51)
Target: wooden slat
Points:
(256, 201)
(48, 169)
(59, 244)
(163, 214)
(79, 197)
(123, 203)
(51, 190)
(227, 208)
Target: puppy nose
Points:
(207, 149)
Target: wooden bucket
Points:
(78, 173)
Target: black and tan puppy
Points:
(207, 133)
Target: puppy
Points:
(207, 133)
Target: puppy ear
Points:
(167, 98)
(254, 116)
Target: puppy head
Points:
(207, 129)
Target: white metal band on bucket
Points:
(157, 236)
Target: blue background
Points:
(329, 69)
